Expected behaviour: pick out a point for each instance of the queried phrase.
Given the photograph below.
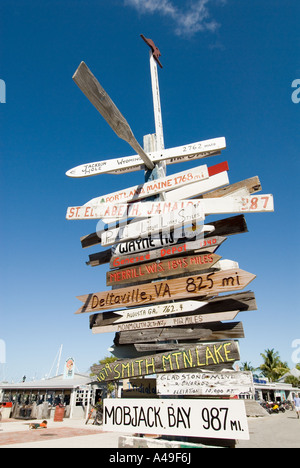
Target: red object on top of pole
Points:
(155, 50)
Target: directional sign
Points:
(155, 187)
(223, 227)
(198, 188)
(166, 291)
(200, 356)
(141, 313)
(200, 149)
(167, 322)
(224, 419)
(156, 224)
(229, 204)
(111, 212)
(161, 269)
(204, 332)
(203, 383)
(238, 301)
(120, 257)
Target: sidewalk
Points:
(66, 434)
(273, 431)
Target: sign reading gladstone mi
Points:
(202, 356)
(224, 419)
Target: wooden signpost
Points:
(166, 278)
(163, 291)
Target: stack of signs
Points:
(173, 300)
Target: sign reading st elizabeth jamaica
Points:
(208, 355)
(179, 288)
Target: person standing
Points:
(297, 404)
(1, 411)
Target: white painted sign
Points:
(178, 154)
(193, 213)
(158, 310)
(153, 187)
(222, 419)
(154, 225)
(198, 188)
(229, 204)
(167, 322)
(113, 212)
(205, 383)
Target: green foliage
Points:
(273, 368)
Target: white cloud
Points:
(190, 19)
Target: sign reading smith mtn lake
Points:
(179, 288)
(208, 355)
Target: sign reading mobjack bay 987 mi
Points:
(225, 419)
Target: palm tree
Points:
(273, 368)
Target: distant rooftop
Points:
(57, 382)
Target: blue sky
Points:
(228, 71)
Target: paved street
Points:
(272, 431)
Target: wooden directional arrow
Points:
(111, 212)
(154, 187)
(164, 184)
(155, 225)
(223, 227)
(166, 291)
(230, 204)
(90, 86)
(166, 249)
(243, 301)
(192, 213)
(211, 355)
(146, 312)
(200, 149)
(205, 332)
(161, 269)
(166, 322)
